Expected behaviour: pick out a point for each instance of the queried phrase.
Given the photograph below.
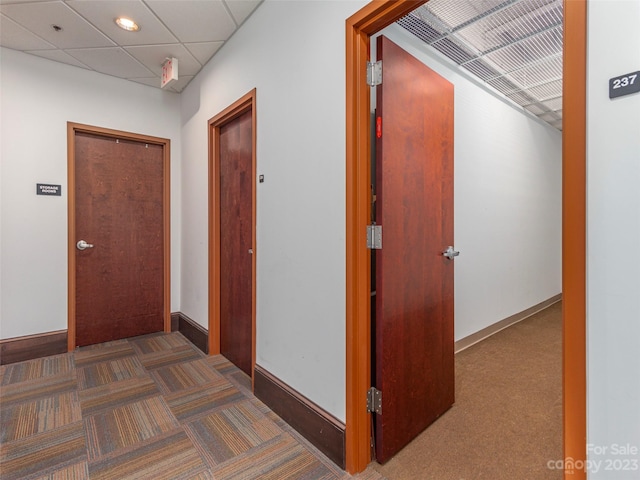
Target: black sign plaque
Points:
(624, 84)
(48, 189)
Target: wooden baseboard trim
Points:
(320, 428)
(193, 331)
(175, 321)
(30, 347)
(474, 338)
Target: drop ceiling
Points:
(514, 46)
(190, 30)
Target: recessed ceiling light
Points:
(127, 24)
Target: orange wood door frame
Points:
(359, 27)
(242, 105)
(72, 128)
(574, 257)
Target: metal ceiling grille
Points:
(515, 46)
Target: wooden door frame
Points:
(242, 105)
(359, 27)
(72, 129)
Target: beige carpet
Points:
(506, 422)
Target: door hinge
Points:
(374, 237)
(374, 401)
(374, 73)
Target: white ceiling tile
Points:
(155, 82)
(153, 56)
(195, 20)
(180, 84)
(190, 30)
(203, 51)
(103, 14)
(554, 104)
(39, 18)
(241, 9)
(4, 2)
(112, 61)
(17, 37)
(59, 56)
(150, 81)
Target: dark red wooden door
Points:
(414, 283)
(236, 234)
(119, 210)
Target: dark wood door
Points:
(119, 289)
(414, 367)
(236, 237)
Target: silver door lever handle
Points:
(450, 253)
(82, 245)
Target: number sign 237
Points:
(624, 84)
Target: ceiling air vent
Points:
(515, 46)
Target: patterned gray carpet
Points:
(150, 407)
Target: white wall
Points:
(613, 241)
(294, 54)
(507, 194)
(297, 66)
(38, 98)
(507, 199)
